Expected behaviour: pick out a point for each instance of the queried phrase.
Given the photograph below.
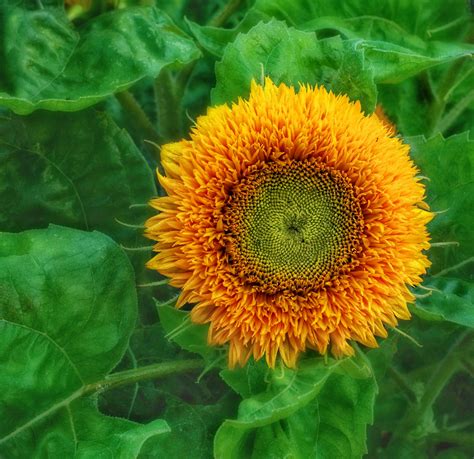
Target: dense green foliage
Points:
(89, 367)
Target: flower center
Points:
(292, 226)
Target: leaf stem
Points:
(154, 371)
(225, 13)
(441, 377)
(168, 102)
(402, 383)
(138, 117)
(439, 102)
(452, 115)
(454, 268)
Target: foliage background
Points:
(94, 359)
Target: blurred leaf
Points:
(50, 65)
(449, 165)
(47, 357)
(290, 418)
(74, 169)
(291, 56)
(453, 300)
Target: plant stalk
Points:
(154, 371)
(441, 377)
(439, 102)
(225, 13)
(138, 117)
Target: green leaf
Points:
(212, 39)
(75, 288)
(419, 17)
(49, 64)
(408, 106)
(449, 166)
(291, 56)
(288, 390)
(391, 63)
(452, 300)
(248, 380)
(192, 428)
(68, 306)
(380, 25)
(179, 328)
(290, 418)
(104, 436)
(74, 169)
(343, 409)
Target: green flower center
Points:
(292, 226)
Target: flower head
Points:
(293, 221)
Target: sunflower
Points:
(291, 221)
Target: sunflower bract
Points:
(293, 221)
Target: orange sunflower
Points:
(292, 221)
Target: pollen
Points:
(292, 227)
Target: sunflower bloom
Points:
(292, 221)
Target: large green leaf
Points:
(449, 166)
(49, 64)
(68, 306)
(316, 411)
(292, 56)
(74, 169)
(386, 32)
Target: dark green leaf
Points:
(75, 169)
(50, 65)
(342, 410)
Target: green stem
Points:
(169, 88)
(138, 116)
(157, 370)
(168, 100)
(441, 377)
(402, 384)
(225, 13)
(454, 268)
(455, 112)
(439, 102)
